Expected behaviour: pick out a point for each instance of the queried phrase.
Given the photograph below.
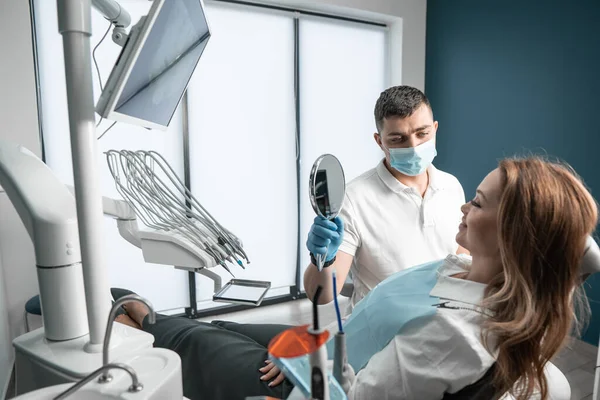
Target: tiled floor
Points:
(577, 361)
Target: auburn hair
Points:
(544, 218)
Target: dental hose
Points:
(335, 302)
(340, 358)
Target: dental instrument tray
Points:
(243, 291)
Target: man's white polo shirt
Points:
(390, 227)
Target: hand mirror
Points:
(327, 188)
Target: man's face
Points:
(407, 132)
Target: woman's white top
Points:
(440, 354)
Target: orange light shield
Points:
(297, 342)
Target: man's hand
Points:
(271, 371)
(325, 237)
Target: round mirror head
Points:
(327, 186)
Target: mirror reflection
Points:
(327, 186)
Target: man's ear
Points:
(377, 138)
(435, 125)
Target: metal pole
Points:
(192, 310)
(295, 290)
(74, 23)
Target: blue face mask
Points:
(413, 161)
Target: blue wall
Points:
(510, 77)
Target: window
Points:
(251, 141)
(242, 139)
(342, 73)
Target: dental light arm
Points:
(117, 15)
(48, 212)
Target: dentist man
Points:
(402, 213)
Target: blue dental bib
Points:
(376, 319)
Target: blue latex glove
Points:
(325, 237)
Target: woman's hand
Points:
(271, 371)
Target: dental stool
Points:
(32, 307)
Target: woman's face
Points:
(478, 231)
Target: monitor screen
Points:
(159, 71)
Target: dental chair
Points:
(347, 289)
(483, 389)
(559, 387)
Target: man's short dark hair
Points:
(398, 101)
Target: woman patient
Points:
(512, 304)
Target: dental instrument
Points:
(327, 188)
(184, 233)
(195, 209)
(300, 354)
(338, 314)
(151, 187)
(340, 358)
(166, 247)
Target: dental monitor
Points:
(156, 64)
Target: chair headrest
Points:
(591, 258)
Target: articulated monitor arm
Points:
(120, 18)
